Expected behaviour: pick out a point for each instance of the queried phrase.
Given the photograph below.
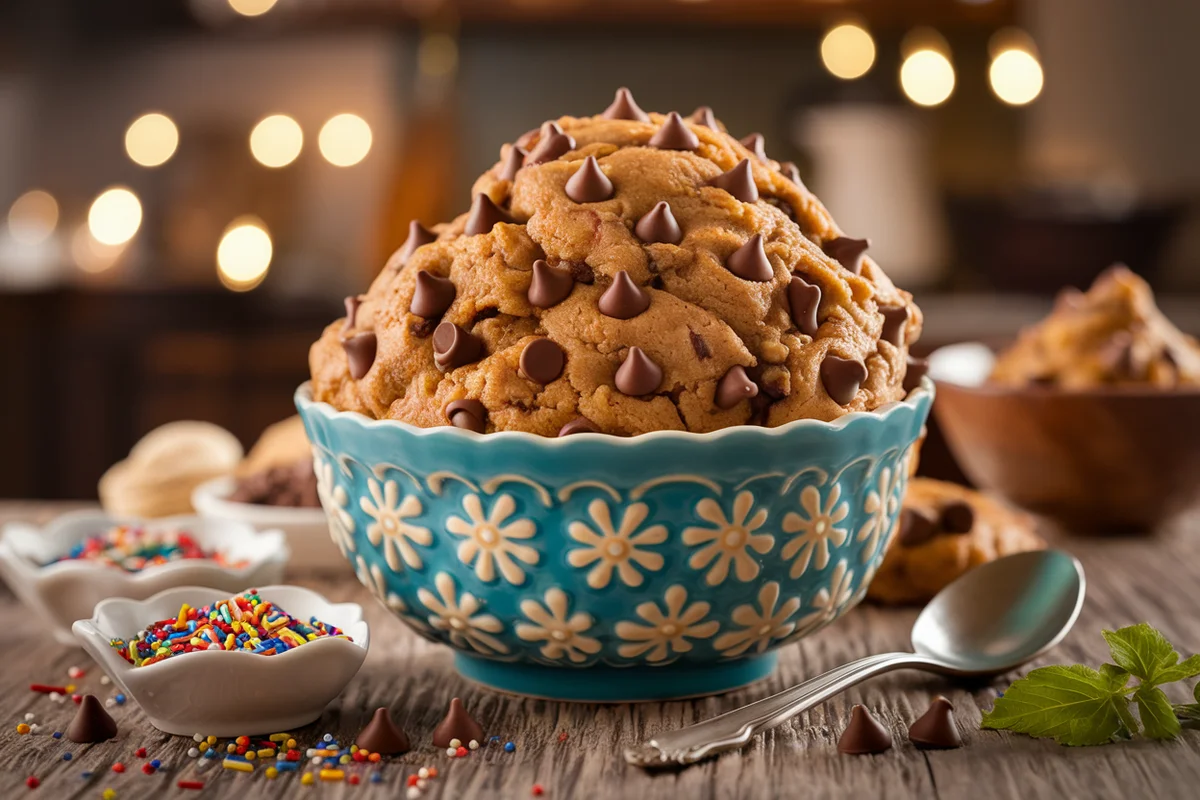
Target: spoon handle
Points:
(735, 728)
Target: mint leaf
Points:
(1158, 717)
(1195, 690)
(1144, 652)
(1075, 705)
(1189, 668)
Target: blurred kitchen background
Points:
(188, 188)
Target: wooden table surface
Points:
(574, 750)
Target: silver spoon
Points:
(993, 619)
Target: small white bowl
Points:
(69, 590)
(307, 529)
(229, 693)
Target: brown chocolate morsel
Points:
(513, 163)
(957, 517)
(484, 215)
(589, 184)
(674, 135)
(91, 723)
(847, 252)
(699, 346)
(624, 299)
(453, 347)
(352, 303)
(542, 360)
(458, 724)
(578, 425)
(841, 378)
(638, 375)
(804, 299)
(383, 736)
(550, 148)
(916, 527)
(549, 128)
(659, 225)
(894, 320)
(360, 353)
(432, 296)
(916, 369)
(549, 286)
(935, 730)
(625, 107)
(467, 414)
(734, 387)
(864, 735)
(738, 181)
(756, 144)
(749, 262)
(418, 235)
(704, 116)
(789, 170)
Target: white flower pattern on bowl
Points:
(815, 528)
(390, 512)
(490, 542)
(729, 538)
(334, 500)
(561, 631)
(616, 548)
(882, 505)
(458, 617)
(669, 630)
(761, 625)
(373, 578)
(828, 603)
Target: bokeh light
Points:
(276, 141)
(252, 8)
(115, 216)
(1016, 77)
(244, 254)
(151, 140)
(345, 140)
(927, 77)
(437, 55)
(848, 51)
(93, 256)
(33, 217)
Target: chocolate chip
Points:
(674, 135)
(91, 723)
(458, 724)
(352, 303)
(804, 299)
(549, 286)
(841, 378)
(383, 736)
(432, 296)
(486, 312)
(659, 225)
(550, 148)
(935, 730)
(894, 320)
(749, 262)
(916, 527)
(550, 128)
(738, 181)
(957, 517)
(453, 347)
(623, 299)
(915, 370)
(864, 735)
(789, 170)
(360, 353)
(484, 216)
(418, 236)
(847, 252)
(699, 345)
(581, 271)
(513, 163)
(756, 144)
(704, 116)
(467, 414)
(422, 328)
(734, 387)
(527, 138)
(625, 107)
(638, 375)
(589, 184)
(783, 205)
(578, 425)
(542, 361)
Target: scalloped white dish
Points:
(60, 593)
(229, 693)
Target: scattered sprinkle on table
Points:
(134, 548)
(32, 782)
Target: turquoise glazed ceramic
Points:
(601, 568)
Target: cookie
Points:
(623, 273)
(944, 530)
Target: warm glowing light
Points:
(927, 77)
(33, 217)
(151, 140)
(252, 8)
(345, 140)
(244, 254)
(115, 216)
(276, 141)
(848, 51)
(93, 256)
(1016, 77)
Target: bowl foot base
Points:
(603, 684)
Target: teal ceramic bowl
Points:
(608, 569)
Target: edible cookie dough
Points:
(624, 273)
(1112, 334)
(944, 530)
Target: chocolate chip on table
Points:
(916, 369)
(625, 107)
(578, 425)
(734, 387)
(935, 730)
(458, 724)
(756, 144)
(91, 723)
(738, 181)
(749, 262)
(916, 527)
(418, 236)
(624, 299)
(699, 345)
(484, 216)
(674, 135)
(513, 163)
(864, 735)
(841, 378)
(789, 170)
(453, 347)
(847, 252)
(383, 736)
(352, 303)
(589, 184)
(659, 225)
(894, 320)
(638, 375)
(467, 414)
(704, 116)
(957, 517)
(550, 148)
(542, 360)
(804, 299)
(549, 286)
(360, 353)
(432, 296)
